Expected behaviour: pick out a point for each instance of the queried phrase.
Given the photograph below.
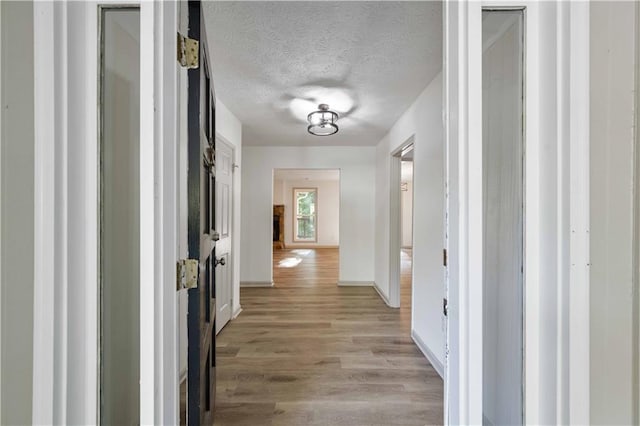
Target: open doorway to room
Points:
(406, 233)
(401, 229)
(306, 226)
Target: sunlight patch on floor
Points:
(301, 252)
(289, 262)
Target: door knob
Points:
(220, 261)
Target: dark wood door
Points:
(201, 359)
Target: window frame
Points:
(294, 216)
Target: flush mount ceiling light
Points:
(323, 121)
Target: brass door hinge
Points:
(188, 52)
(187, 274)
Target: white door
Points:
(224, 191)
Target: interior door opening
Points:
(503, 216)
(401, 228)
(119, 232)
(406, 232)
(306, 221)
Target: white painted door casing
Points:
(66, 75)
(556, 210)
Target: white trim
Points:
(395, 220)
(236, 313)
(148, 215)
(395, 227)
(431, 357)
(256, 283)
(167, 400)
(44, 221)
(355, 283)
(579, 207)
(384, 298)
(66, 74)
(463, 133)
(1, 138)
(78, 165)
(159, 130)
(532, 218)
(636, 231)
(556, 216)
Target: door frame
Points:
(66, 328)
(636, 225)
(556, 210)
(395, 222)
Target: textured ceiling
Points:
(273, 62)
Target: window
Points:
(305, 201)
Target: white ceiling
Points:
(306, 174)
(273, 62)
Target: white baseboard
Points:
(431, 357)
(382, 295)
(236, 313)
(256, 283)
(355, 283)
(292, 246)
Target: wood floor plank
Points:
(307, 352)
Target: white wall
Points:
(612, 152)
(328, 215)
(17, 205)
(357, 203)
(278, 192)
(406, 199)
(423, 119)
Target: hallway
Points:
(310, 352)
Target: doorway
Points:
(306, 222)
(119, 399)
(406, 226)
(401, 227)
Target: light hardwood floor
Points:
(308, 352)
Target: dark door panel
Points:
(201, 358)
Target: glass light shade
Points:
(323, 121)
